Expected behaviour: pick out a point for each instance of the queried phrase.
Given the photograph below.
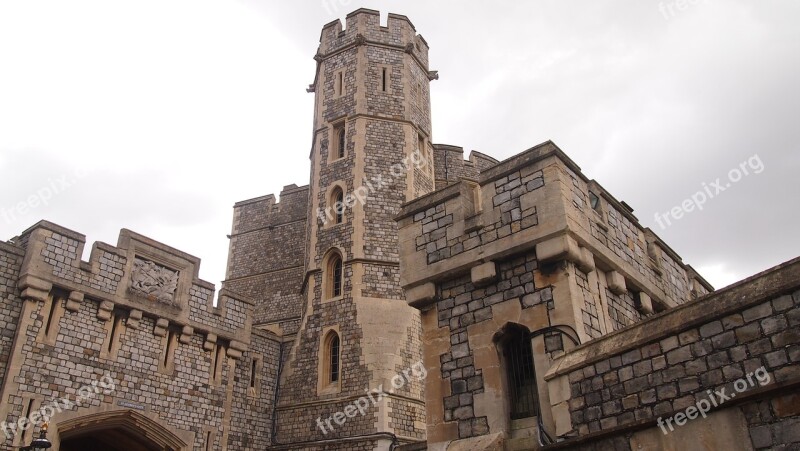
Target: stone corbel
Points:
(586, 262)
(645, 304)
(74, 301)
(236, 349)
(104, 310)
(161, 327)
(134, 317)
(421, 295)
(210, 342)
(186, 335)
(616, 282)
(34, 288)
(565, 247)
(483, 274)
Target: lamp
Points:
(41, 443)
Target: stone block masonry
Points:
(618, 386)
(267, 255)
(151, 327)
(508, 252)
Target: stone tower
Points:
(371, 153)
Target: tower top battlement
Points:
(365, 25)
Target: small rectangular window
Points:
(594, 201)
(384, 79)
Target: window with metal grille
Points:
(518, 356)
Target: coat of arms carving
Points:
(154, 281)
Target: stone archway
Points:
(121, 430)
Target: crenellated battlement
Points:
(365, 25)
(266, 255)
(139, 275)
(542, 200)
(450, 165)
(264, 211)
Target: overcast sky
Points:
(158, 115)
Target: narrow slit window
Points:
(340, 142)
(340, 83)
(28, 411)
(208, 441)
(112, 337)
(337, 276)
(337, 202)
(384, 79)
(169, 349)
(334, 358)
(49, 326)
(216, 367)
(253, 372)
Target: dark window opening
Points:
(594, 201)
(253, 368)
(384, 83)
(340, 142)
(518, 356)
(337, 277)
(334, 358)
(170, 348)
(338, 205)
(115, 320)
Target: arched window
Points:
(334, 281)
(336, 269)
(340, 138)
(330, 364)
(337, 204)
(333, 359)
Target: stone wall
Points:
(267, 254)
(380, 335)
(10, 263)
(451, 166)
(743, 342)
(509, 247)
(137, 315)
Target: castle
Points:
(405, 299)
